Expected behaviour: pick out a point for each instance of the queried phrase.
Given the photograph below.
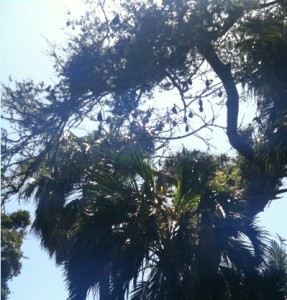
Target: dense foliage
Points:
(13, 229)
(112, 206)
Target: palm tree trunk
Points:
(209, 259)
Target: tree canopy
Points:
(141, 75)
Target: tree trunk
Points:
(223, 71)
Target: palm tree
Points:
(207, 247)
(274, 274)
(94, 212)
(114, 232)
(116, 224)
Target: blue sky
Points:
(25, 26)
